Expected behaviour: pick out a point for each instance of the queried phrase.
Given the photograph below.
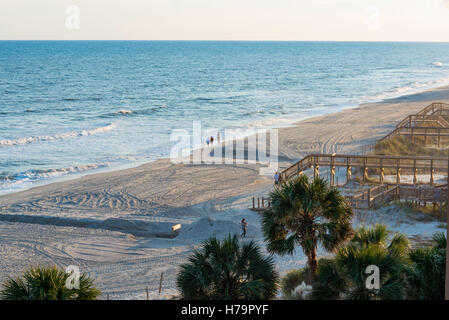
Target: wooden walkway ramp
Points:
(439, 108)
(378, 195)
(429, 123)
(399, 164)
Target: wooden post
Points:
(258, 202)
(364, 171)
(381, 178)
(107, 296)
(148, 294)
(398, 173)
(365, 174)
(415, 178)
(431, 172)
(382, 175)
(369, 198)
(253, 203)
(348, 170)
(160, 282)
(332, 171)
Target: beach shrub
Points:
(47, 283)
(291, 281)
(427, 272)
(345, 276)
(228, 269)
(306, 213)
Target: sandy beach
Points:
(116, 225)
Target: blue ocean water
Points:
(76, 106)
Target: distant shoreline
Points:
(293, 124)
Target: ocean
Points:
(74, 107)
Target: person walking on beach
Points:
(211, 140)
(244, 227)
(208, 141)
(276, 179)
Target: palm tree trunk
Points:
(312, 263)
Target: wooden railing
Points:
(415, 119)
(425, 132)
(435, 107)
(372, 197)
(261, 204)
(379, 195)
(414, 163)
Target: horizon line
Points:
(238, 40)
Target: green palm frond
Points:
(47, 283)
(427, 273)
(440, 239)
(377, 235)
(347, 273)
(227, 270)
(15, 289)
(306, 213)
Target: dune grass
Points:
(422, 212)
(403, 146)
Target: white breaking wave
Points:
(124, 111)
(67, 135)
(408, 89)
(438, 64)
(23, 180)
(273, 122)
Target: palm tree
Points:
(47, 283)
(306, 213)
(345, 276)
(427, 273)
(223, 270)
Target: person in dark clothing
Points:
(244, 227)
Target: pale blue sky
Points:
(338, 20)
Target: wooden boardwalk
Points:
(432, 135)
(378, 195)
(429, 124)
(400, 164)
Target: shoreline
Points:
(289, 123)
(295, 141)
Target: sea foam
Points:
(66, 135)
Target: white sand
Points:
(115, 225)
